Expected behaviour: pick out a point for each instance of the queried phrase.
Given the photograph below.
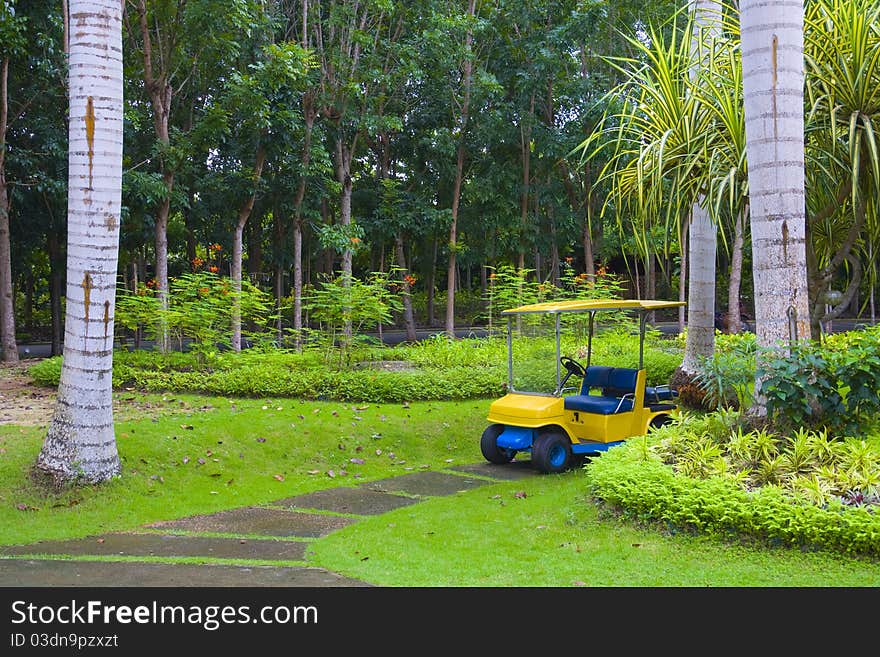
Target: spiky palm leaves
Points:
(842, 51)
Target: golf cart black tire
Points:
(660, 421)
(551, 453)
(489, 446)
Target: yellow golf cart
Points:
(559, 423)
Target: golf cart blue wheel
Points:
(551, 452)
(557, 456)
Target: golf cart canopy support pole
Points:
(510, 352)
(558, 353)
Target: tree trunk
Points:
(773, 86)
(160, 92)
(467, 70)
(408, 320)
(80, 442)
(700, 341)
(243, 214)
(344, 153)
(734, 303)
(431, 283)
(8, 346)
(56, 289)
(309, 117)
(702, 237)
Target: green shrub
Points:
(707, 475)
(47, 372)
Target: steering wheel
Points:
(572, 366)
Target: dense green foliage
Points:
(437, 368)
(832, 384)
(708, 475)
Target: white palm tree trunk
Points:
(772, 34)
(702, 238)
(80, 442)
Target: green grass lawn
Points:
(542, 532)
(185, 455)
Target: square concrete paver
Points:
(159, 545)
(52, 573)
(426, 483)
(259, 521)
(358, 501)
(514, 470)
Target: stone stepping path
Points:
(279, 531)
(161, 545)
(51, 573)
(358, 501)
(259, 520)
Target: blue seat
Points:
(659, 394)
(595, 376)
(598, 404)
(614, 382)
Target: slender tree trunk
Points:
(408, 319)
(8, 346)
(683, 276)
(525, 132)
(344, 153)
(56, 289)
(80, 443)
(431, 283)
(279, 238)
(734, 303)
(244, 214)
(773, 86)
(700, 340)
(160, 93)
(309, 117)
(467, 70)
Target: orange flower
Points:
(213, 269)
(216, 247)
(355, 240)
(410, 279)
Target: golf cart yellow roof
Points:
(589, 305)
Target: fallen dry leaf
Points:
(278, 477)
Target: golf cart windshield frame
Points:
(579, 306)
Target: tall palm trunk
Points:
(80, 441)
(773, 87)
(700, 341)
(702, 238)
